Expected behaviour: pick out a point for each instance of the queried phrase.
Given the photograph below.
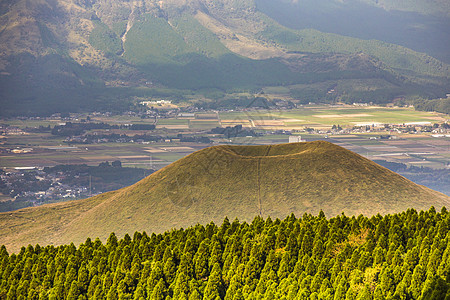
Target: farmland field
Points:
(325, 117)
(419, 149)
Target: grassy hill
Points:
(195, 45)
(232, 181)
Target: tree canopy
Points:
(400, 256)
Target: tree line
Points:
(438, 105)
(399, 256)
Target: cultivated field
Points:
(419, 149)
(325, 117)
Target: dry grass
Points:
(238, 43)
(233, 181)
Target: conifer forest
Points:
(399, 256)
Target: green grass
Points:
(168, 156)
(152, 39)
(198, 37)
(343, 117)
(272, 139)
(173, 122)
(31, 123)
(203, 124)
(119, 28)
(105, 39)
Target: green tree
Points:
(365, 293)
(158, 292)
(170, 269)
(73, 291)
(181, 290)
(214, 288)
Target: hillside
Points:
(419, 25)
(227, 181)
(101, 55)
(400, 256)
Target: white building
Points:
(158, 102)
(295, 139)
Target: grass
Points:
(152, 39)
(200, 38)
(105, 39)
(198, 124)
(173, 122)
(170, 157)
(343, 117)
(233, 181)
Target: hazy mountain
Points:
(72, 54)
(233, 181)
(423, 26)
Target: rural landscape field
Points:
(411, 142)
(310, 122)
(225, 150)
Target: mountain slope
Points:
(105, 46)
(417, 30)
(233, 181)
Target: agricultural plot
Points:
(203, 124)
(206, 116)
(128, 154)
(324, 117)
(172, 124)
(423, 150)
(417, 149)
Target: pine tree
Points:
(251, 273)
(73, 291)
(416, 283)
(214, 287)
(410, 260)
(181, 290)
(112, 242)
(158, 292)
(365, 293)
(195, 295)
(83, 279)
(139, 294)
(201, 267)
(155, 276)
(233, 289)
(186, 264)
(92, 286)
(341, 290)
(169, 270)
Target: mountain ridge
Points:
(145, 45)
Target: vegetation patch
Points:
(233, 181)
(103, 38)
(399, 256)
